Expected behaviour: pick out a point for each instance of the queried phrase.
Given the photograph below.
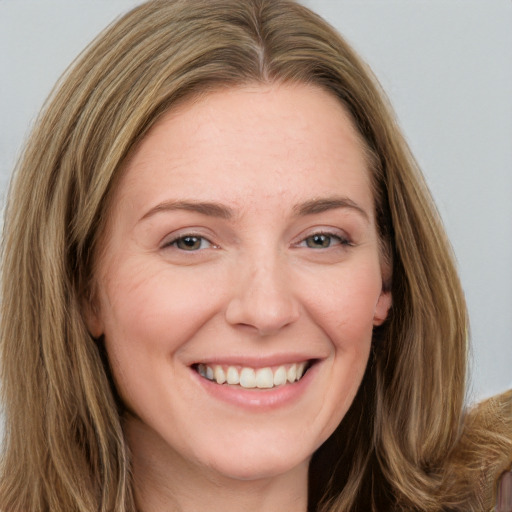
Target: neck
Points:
(166, 482)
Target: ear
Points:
(382, 308)
(92, 317)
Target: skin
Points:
(285, 266)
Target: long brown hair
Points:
(405, 441)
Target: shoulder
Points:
(482, 458)
(504, 498)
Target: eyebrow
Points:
(205, 208)
(330, 203)
(213, 209)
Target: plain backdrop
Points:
(447, 68)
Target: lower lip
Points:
(259, 399)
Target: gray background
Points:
(447, 68)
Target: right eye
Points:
(189, 243)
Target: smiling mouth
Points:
(254, 378)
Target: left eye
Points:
(190, 243)
(323, 241)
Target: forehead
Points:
(257, 141)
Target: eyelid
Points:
(341, 235)
(334, 241)
(171, 239)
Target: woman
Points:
(217, 199)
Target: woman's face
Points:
(241, 252)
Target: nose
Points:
(262, 298)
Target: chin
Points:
(260, 466)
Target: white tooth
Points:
(201, 370)
(300, 370)
(219, 374)
(247, 378)
(232, 376)
(209, 373)
(292, 373)
(280, 376)
(264, 378)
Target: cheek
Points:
(139, 301)
(149, 315)
(345, 307)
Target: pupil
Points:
(320, 241)
(190, 242)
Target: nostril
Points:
(265, 318)
(264, 301)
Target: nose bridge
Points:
(263, 296)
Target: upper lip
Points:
(255, 362)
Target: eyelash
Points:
(340, 240)
(182, 238)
